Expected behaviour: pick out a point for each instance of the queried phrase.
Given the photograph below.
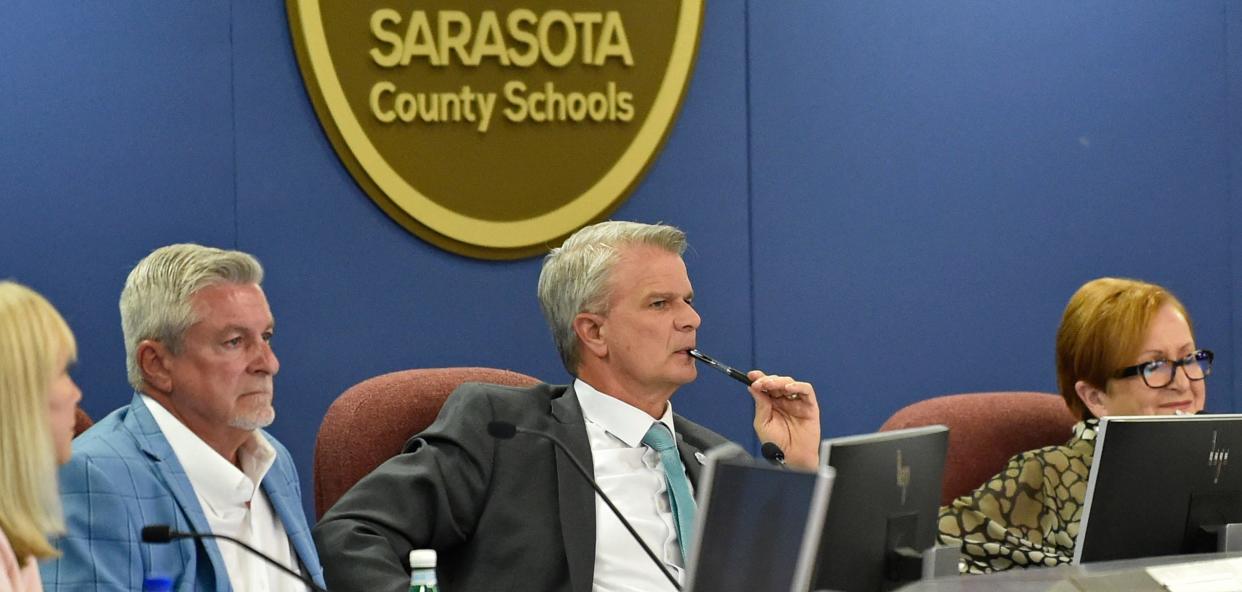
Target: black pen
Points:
(732, 372)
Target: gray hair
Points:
(575, 275)
(155, 303)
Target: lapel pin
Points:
(702, 458)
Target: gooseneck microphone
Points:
(773, 453)
(162, 533)
(503, 430)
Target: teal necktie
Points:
(661, 440)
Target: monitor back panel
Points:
(887, 491)
(1149, 475)
(750, 527)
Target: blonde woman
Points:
(37, 401)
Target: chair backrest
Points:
(81, 421)
(985, 430)
(370, 422)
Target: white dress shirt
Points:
(632, 476)
(235, 504)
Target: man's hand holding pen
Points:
(786, 411)
(787, 414)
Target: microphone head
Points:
(501, 430)
(772, 452)
(157, 533)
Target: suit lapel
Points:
(278, 487)
(576, 498)
(691, 456)
(151, 440)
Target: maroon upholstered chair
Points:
(369, 423)
(81, 421)
(985, 430)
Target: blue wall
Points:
(891, 199)
(950, 172)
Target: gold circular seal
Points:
(496, 130)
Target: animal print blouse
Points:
(1028, 514)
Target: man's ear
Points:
(1095, 399)
(591, 329)
(154, 360)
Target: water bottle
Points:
(423, 571)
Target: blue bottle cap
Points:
(157, 584)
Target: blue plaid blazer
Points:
(123, 476)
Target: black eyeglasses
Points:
(1160, 373)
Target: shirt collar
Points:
(1086, 429)
(624, 421)
(214, 478)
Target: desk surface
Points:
(1128, 575)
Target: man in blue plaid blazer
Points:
(188, 451)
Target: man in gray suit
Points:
(512, 515)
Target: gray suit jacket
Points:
(503, 514)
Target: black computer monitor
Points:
(752, 521)
(1160, 485)
(883, 514)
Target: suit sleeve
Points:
(430, 496)
(101, 548)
